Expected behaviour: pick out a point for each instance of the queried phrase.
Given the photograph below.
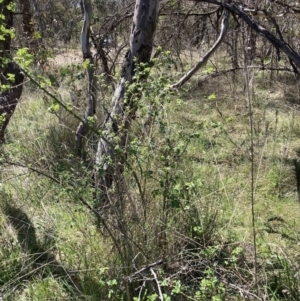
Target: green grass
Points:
(205, 224)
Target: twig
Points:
(145, 268)
(141, 290)
(252, 154)
(158, 285)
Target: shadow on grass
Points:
(40, 261)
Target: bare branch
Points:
(238, 10)
(145, 269)
(258, 68)
(158, 285)
(188, 14)
(204, 60)
(278, 31)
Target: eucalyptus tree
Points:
(87, 55)
(11, 77)
(119, 119)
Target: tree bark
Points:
(90, 111)
(27, 18)
(111, 152)
(10, 74)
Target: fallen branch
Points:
(144, 269)
(158, 285)
(259, 68)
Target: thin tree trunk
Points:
(37, 12)
(90, 111)
(27, 19)
(111, 152)
(10, 97)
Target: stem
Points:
(248, 82)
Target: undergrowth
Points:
(178, 226)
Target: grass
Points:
(187, 200)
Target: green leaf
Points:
(211, 97)
(86, 64)
(37, 35)
(11, 6)
(54, 108)
(11, 77)
(209, 70)
(24, 58)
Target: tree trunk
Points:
(38, 16)
(111, 152)
(82, 129)
(27, 19)
(10, 75)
